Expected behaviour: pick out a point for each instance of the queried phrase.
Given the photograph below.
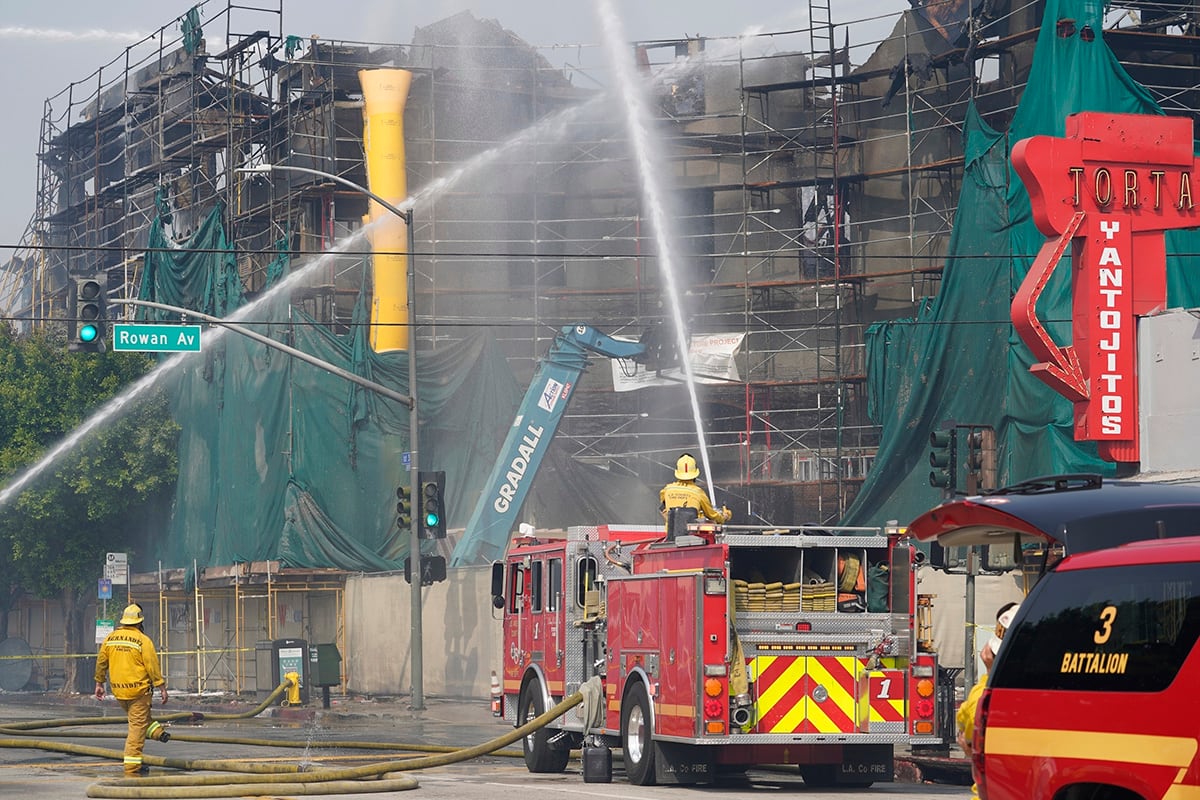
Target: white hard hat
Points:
(1004, 621)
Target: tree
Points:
(106, 494)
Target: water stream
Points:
(648, 156)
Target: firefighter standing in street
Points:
(128, 659)
(684, 492)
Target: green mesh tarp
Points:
(280, 459)
(201, 276)
(959, 359)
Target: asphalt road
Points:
(314, 737)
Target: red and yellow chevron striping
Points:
(807, 694)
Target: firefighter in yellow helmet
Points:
(684, 492)
(965, 716)
(128, 659)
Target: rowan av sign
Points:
(156, 338)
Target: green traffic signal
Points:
(432, 505)
(87, 305)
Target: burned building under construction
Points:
(816, 179)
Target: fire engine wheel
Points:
(540, 754)
(635, 737)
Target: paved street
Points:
(33, 774)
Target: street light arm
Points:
(269, 342)
(266, 168)
(414, 547)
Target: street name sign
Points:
(141, 338)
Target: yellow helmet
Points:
(686, 469)
(132, 614)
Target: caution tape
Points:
(217, 650)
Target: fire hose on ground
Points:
(266, 779)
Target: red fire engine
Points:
(720, 649)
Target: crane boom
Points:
(536, 422)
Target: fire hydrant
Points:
(293, 690)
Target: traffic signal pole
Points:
(414, 475)
(414, 555)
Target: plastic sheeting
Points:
(959, 359)
(279, 459)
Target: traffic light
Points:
(943, 457)
(404, 507)
(981, 459)
(433, 506)
(88, 324)
(948, 559)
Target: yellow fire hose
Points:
(252, 742)
(193, 716)
(268, 779)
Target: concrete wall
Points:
(949, 610)
(461, 639)
(1168, 384)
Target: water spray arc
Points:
(637, 120)
(116, 405)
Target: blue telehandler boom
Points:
(487, 532)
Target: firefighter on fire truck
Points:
(685, 493)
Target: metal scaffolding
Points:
(815, 174)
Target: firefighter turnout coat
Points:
(688, 494)
(130, 661)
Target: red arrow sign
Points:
(1110, 188)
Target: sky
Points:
(46, 46)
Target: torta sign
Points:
(1110, 189)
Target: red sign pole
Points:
(1110, 188)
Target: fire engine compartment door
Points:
(655, 623)
(809, 694)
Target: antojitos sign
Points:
(1110, 189)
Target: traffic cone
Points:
(497, 697)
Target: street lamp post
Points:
(414, 547)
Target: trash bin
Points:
(325, 668)
(290, 655)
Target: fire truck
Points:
(720, 648)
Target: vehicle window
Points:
(554, 584)
(535, 581)
(585, 578)
(516, 587)
(1125, 629)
